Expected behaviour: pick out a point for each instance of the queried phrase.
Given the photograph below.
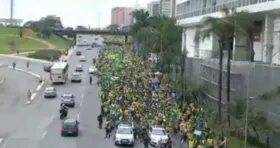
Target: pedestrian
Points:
(108, 130)
(29, 95)
(100, 121)
(27, 64)
(146, 141)
(14, 65)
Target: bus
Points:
(59, 72)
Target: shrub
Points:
(46, 54)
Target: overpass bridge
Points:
(97, 32)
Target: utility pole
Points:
(12, 9)
(160, 7)
(136, 4)
(99, 14)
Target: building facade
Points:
(165, 8)
(154, 8)
(172, 8)
(121, 16)
(266, 38)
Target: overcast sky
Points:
(72, 12)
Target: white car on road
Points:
(92, 69)
(124, 136)
(158, 134)
(83, 59)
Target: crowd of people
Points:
(131, 92)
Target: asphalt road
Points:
(13, 95)
(41, 125)
(34, 66)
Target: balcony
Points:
(182, 13)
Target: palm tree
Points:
(147, 37)
(225, 28)
(141, 16)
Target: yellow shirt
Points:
(209, 142)
(191, 143)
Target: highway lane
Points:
(87, 113)
(14, 91)
(35, 66)
(40, 126)
(13, 95)
(41, 114)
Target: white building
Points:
(266, 13)
(154, 8)
(128, 16)
(165, 7)
(172, 8)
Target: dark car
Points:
(78, 53)
(68, 100)
(89, 48)
(70, 127)
(47, 68)
(79, 68)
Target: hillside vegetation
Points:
(11, 41)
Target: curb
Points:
(38, 88)
(24, 58)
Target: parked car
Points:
(124, 135)
(92, 69)
(158, 134)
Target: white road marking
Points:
(40, 86)
(33, 96)
(1, 139)
(81, 104)
(44, 134)
(53, 116)
(78, 117)
(4, 144)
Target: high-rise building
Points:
(165, 7)
(121, 16)
(172, 8)
(154, 8)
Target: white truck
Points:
(59, 72)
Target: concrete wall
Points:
(247, 79)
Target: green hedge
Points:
(46, 54)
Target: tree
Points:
(113, 27)
(147, 38)
(157, 35)
(20, 32)
(80, 27)
(69, 28)
(45, 25)
(28, 23)
(51, 21)
(225, 28)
